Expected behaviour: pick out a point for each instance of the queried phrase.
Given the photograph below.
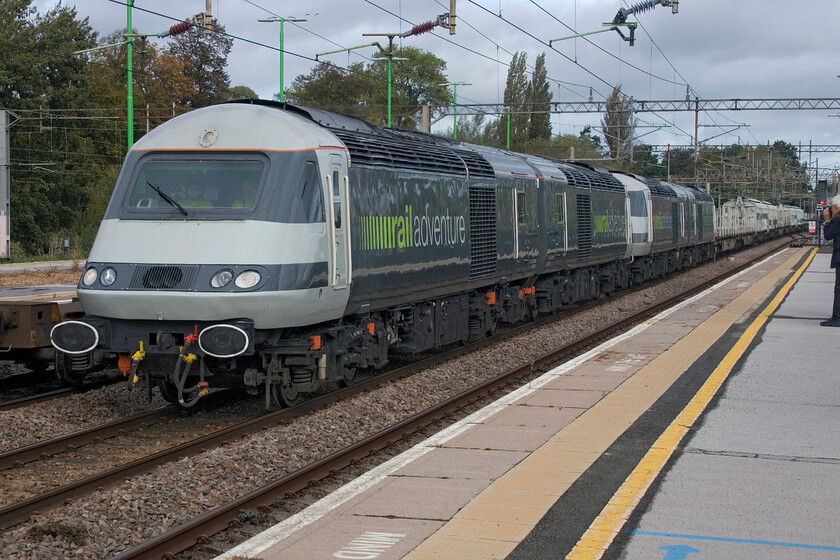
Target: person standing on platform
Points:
(831, 230)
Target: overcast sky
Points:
(722, 49)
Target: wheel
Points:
(64, 370)
(285, 395)
(349, 377)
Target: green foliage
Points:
(517, 95)
(17, 82)
(475, 130)
(680, 162)
(40, 72)
(644, 162)
(528, 102)
(363, 90)
(587, 137)
(241, 92)
(330, 87)
(471, 129)
(98, 193)
(415, 81)
(37, 65)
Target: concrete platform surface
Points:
(760, 478)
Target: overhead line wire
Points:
(490, 58)
(561, 22)
(498, 46)
(619, 59)
(585, 69)
(674, 68)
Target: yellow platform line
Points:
(595, 541)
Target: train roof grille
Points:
(579, 176)
(477, 165)
(700, 194)
(377, 150)
(657, 187)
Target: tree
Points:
(39, 71)
(471, 129)
(539, 127)
(619, 124)
(204, 55)
(587, 137)
(241, 92)
(415, 81)
(330, 87)
(363, 90)
(37, 65)
(516, 99)
(644, 162)
(158, 76)
(17, 54)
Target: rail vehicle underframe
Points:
(25, 338)
(283, 364)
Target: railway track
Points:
(19, 512)
(43, 451)
(35, 395)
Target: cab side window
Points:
(336, 203)
(311, 199)
(559, 208)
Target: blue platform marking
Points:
(739, 541)
(677, 551)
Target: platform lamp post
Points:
(455, 105)
(282, 48)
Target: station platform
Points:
(8, 268)
(710, 431)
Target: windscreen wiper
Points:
(169, 200)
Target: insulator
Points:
(422, 28)
(642, 7)
(179, 28)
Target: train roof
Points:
(410, 150)
(379, 147)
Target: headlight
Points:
(108, 277)
(248, 279)
(89, 277)
(221, 278)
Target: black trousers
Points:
(835, 312)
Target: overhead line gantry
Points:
(695, 105)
